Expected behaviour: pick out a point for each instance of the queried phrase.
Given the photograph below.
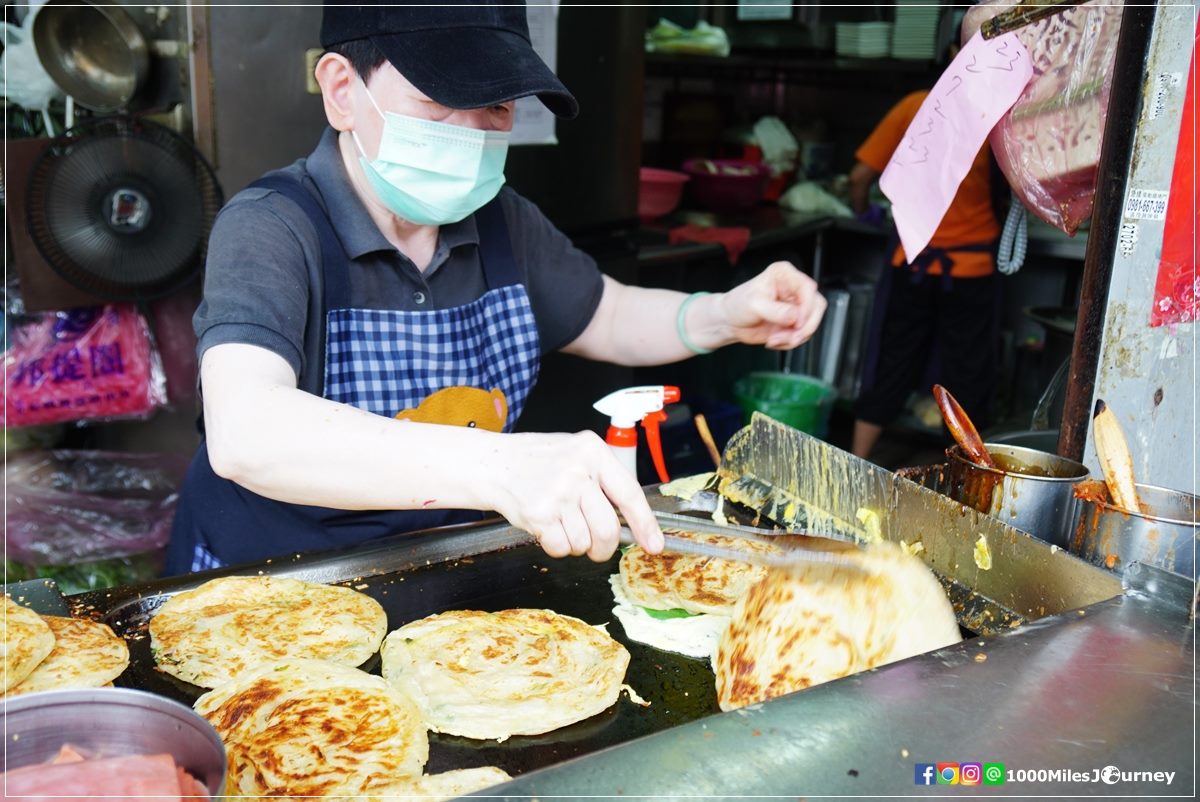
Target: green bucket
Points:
(802, 402)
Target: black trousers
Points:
(927, 331)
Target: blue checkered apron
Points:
(383, 361)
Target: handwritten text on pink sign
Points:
(938, 148)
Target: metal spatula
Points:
(782, 557)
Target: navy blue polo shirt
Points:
(256, 273)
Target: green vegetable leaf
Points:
(665, 615)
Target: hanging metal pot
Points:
(93, 50)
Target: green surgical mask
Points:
(433, 173)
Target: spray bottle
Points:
(624, 409)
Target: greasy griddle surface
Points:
(678, 688)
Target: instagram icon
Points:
(971, 773)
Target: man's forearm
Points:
(639, 326)
(291, 446)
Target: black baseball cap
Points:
(465, 54)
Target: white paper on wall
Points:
(533, 123)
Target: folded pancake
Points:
(515, 672)
(216, 632)
(678, 631)
(27, 642)
(813, 623)
(681, 603)
(86, 654)
(670, 581)
(315, 728)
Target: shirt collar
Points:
(354, 227)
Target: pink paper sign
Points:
(937, 151)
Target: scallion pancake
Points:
(27, 642)
(86, 654)
(514, 672)
(216, 632)
(696, 584)
(816, 622)
(315, 728)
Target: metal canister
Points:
(1029, 490)
(1163, 534)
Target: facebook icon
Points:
(925, 774)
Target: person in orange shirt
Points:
(944, 306)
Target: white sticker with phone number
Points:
(1146, 204)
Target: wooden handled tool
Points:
(1115, 460)
(707, 438)
(961, 428)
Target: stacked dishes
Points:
(915, 34)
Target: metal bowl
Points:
(111, 722)
(1164, 535)
(93, 50)
(1030, 490)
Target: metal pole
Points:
(204, 131)
(1124, 110)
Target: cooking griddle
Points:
(679, 688)
(769, 473)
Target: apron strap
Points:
(932, 254)
(495, 247)
(329, 287)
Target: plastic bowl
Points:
(802, 402)
(726, 185)
(659, 192)
(112, 722)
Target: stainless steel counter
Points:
(1111, 685)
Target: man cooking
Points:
(390, 273)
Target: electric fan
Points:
(121, 208)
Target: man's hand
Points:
(566, 488)
(780, 308)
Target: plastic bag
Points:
(1048, 144)
(92, 363)
(26, 81)
(810, 197)
(89, 519)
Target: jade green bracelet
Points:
(681, 328)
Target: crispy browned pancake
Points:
(27, 642)
(814, 622)
(515, 672)
(86, 654)
(314, 728)
(438, 787)
(219, 630)
(697, 584)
